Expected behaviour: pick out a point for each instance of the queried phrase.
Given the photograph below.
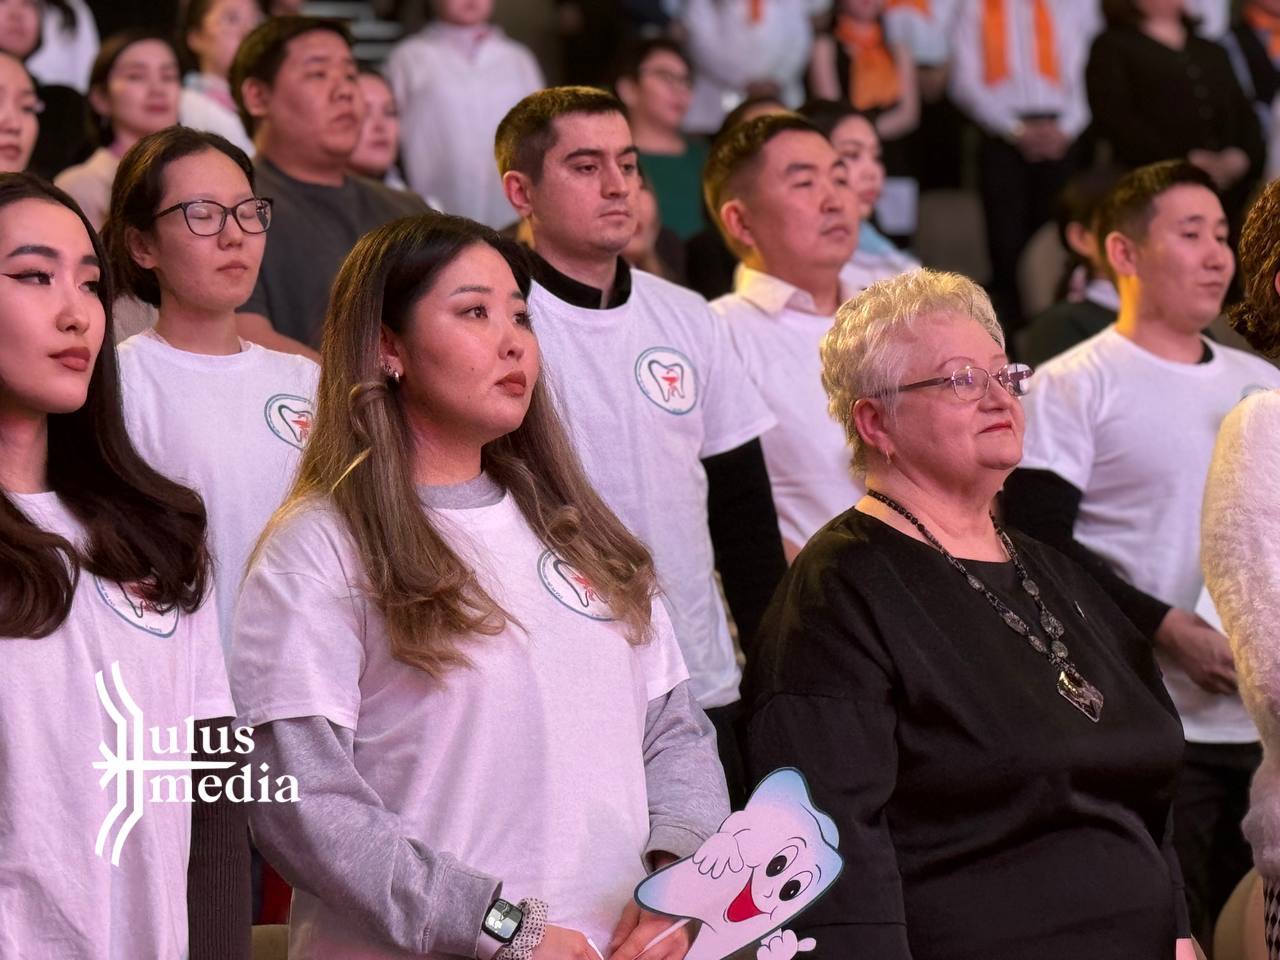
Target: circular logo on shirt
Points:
(136, 610)
(289, 417)
(667, 377)
(571, 588)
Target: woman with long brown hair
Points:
(455, 646)
(107, 641)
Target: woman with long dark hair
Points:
(108, 645)
(454, 644)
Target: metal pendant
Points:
(1059, 649)
(1031, 587)
(1081, 694)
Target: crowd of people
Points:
(516, 475)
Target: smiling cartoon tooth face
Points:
(766, 863)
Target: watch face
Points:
(503, 920)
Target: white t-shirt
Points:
(647, 390)
(65, 57)
(454, 85)
(528, 765)
(777, 333)
(230, 427)
(1135, 433)
(58, 897)
(200, 109)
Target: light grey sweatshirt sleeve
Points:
(688, 799)
(340, 844)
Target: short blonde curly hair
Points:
(865, 353)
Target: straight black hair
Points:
(141, 528)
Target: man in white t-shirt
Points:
(1120, 431)
(661, 412)
(780, 195)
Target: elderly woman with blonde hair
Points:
(989, 732)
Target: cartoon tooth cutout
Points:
(766, 863)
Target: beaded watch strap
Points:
(529, 936)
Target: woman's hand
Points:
(560, 943)
(637, 927)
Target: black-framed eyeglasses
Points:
(208, 218)
(970, 383)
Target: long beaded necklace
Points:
(1074, 688)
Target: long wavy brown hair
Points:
(360, 457)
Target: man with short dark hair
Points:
(663, 415)
(294, 80)
(1120, 431)
(781, 196)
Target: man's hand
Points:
(637, 927)
(1200, 651)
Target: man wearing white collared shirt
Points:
(781, 196)
(1018, 72)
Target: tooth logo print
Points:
(668, 378)
(289, 418)
(571, 588)
(127, 602)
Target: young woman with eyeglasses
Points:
(186, 234)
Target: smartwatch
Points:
(503, 920)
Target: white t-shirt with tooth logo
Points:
(230, 427)
(647, 390)
(94, 869)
